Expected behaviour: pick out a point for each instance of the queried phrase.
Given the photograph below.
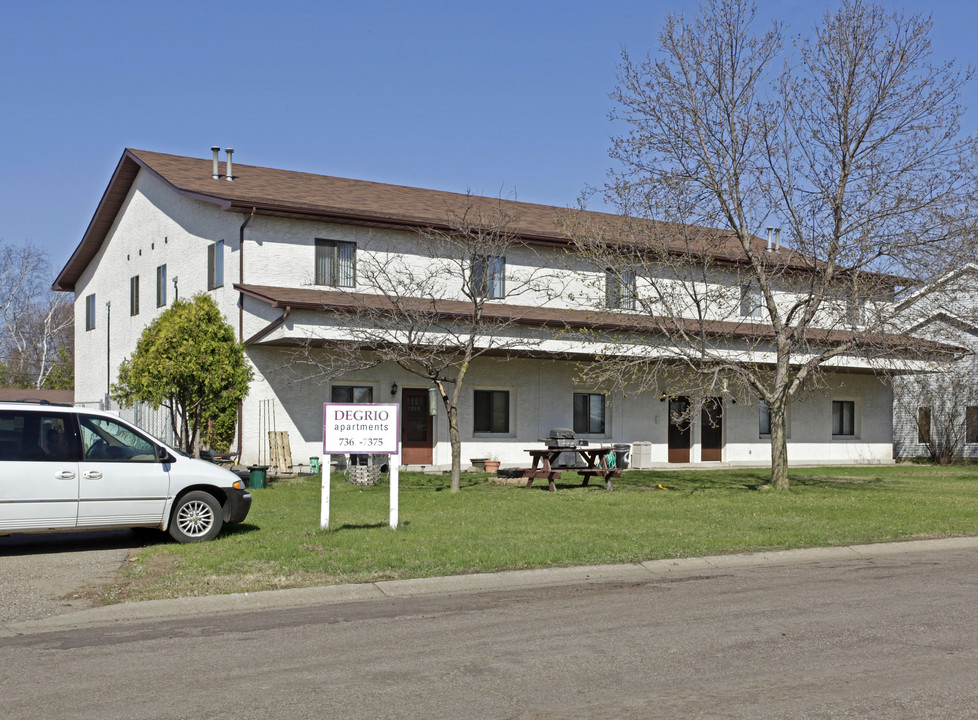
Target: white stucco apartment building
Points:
(166, 226)
(941, 406)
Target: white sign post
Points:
(361, 429)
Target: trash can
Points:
(314, 465)
(256, 476)
(622, 455)
(641, 455)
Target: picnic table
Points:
(595, 463)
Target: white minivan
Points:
(67, 468)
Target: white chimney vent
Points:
(216, 172)
(230, 175)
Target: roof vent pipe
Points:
(216, 172)
(230, 175)
(769, 231)
(777, 239)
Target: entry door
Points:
(711, 430)
(679, 430)
(416, 426)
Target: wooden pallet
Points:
(280, 451)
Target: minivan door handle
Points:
(64, 475)
(92, 475)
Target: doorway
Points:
(416, 427)
(679, 430)
(711, 430)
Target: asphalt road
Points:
(888, 635)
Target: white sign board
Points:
(361, 429)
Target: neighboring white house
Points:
(937, 412)
(170, 225)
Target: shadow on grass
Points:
(366, 526)
(239, 529)
(695, 481)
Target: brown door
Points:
(416, 426)
(711, 430)
(679, 430)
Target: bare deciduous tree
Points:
(434, 310)
(849, 146)
(36, 347)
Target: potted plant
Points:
(492, 464)
(479, 463)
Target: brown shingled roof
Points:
(315, 299)
(287, 193)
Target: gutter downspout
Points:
(241, 317)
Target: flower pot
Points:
(492, 466)
(479, 463)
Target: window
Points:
(620, 289)
(336, 263)
(37, 437)
(589, 413)
(161, 286)
(764, 420)
(971, 424)
(843, 417)
(215, 265)
(923, 425)
(750, 301)
(856, 311)
(491, 411)
(488, 275)
(90, 312)
(134, 295)
(352, 394)
(105, 440)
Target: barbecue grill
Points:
(560, 438)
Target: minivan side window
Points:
(105, 440)
(37, 437)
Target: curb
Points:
(465, 584)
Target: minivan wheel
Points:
(196, 516)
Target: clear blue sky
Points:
(501, 98)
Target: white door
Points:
(38, 470)
(122, 482)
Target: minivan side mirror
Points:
(163, 455)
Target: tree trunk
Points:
(779, 446)
(456, 441)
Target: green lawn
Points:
(490, 527)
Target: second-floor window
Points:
(161, 286)
(488, 277)
(90, 312)
(750, 301)
(589, 417)
(971, 424)
(619, 288)
(215, 265)
(134, 295)
(856, 311)
(336, 263)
